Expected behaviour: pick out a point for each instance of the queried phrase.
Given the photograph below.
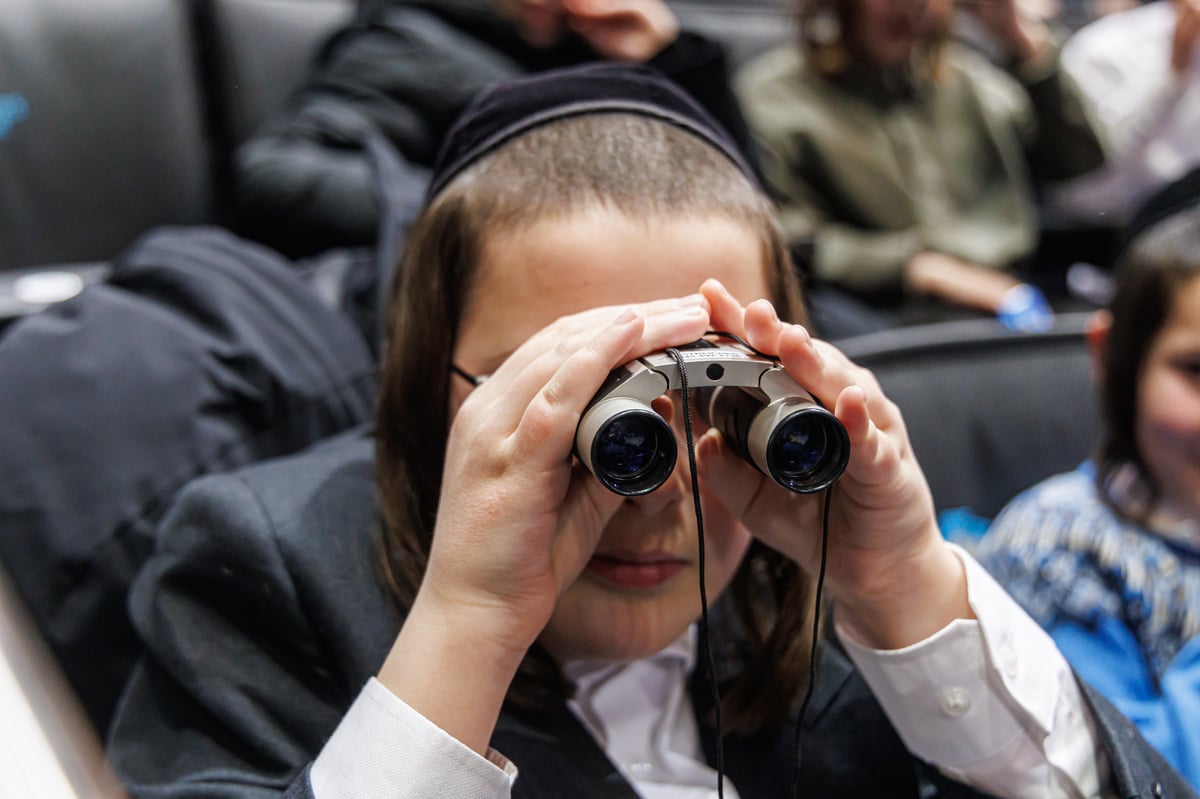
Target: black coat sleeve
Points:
(229, 702)
(251, 659)
(304, 182)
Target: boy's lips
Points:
(635, 571)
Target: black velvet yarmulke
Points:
(513, 107)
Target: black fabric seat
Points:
(988, 412)
(112, 139)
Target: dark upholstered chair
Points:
(118, 116)
(111, 140)
(989, 412)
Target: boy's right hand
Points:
(517, 520)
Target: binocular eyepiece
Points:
(763, 414)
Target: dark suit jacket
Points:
(263, 617)
(200, 353)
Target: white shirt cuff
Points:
(991, 702)
(384, 748)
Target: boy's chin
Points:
(613, 648)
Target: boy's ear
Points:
(1096, 333)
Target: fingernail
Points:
(626, 317)
(754, 305)
(692, 300)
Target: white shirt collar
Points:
(641, 714)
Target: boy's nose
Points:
(672, 491)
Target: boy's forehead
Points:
(531, 275)
(600, 253)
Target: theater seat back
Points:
(989, 412)
(260, 51)
(101, 127)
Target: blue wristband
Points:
(1024, 309)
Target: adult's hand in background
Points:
(1187, 31)
(623, 30)
(1024, 35)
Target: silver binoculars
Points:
(763, 414)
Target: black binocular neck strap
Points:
(705, 645)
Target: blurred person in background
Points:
(1140, 72)
(403, 70)
(909, 164)
(1107, 557)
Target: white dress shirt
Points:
(641, 715)
(991, 702)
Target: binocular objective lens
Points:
(627, 446)
(801, 447)
(633, 452)
(808, 451)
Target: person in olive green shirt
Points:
(910, 163)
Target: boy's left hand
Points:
(895, 579)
